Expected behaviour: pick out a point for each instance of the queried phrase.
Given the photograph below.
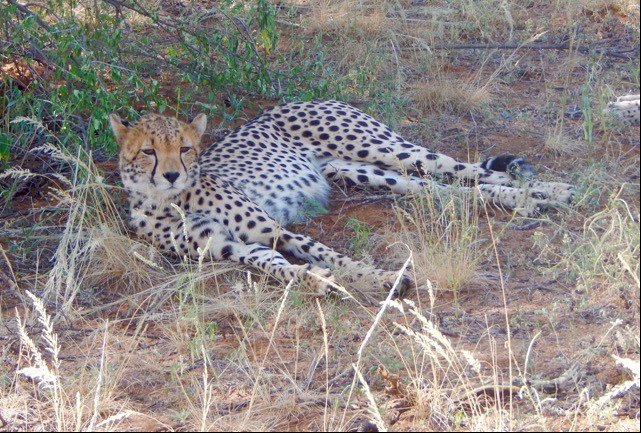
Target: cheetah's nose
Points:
(171, 176)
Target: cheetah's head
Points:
(158, 154)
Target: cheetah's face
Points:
(158, 154)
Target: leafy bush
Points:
(70, 64)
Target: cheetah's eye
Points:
(185, 149)
(148, 151)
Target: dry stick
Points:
(562, 46)
(326, 356)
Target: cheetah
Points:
(233, 199)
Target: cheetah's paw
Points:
(319, 281)
(625, 107)
(545, 196)
(388, 279)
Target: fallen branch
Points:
(562, 46)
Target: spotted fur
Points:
(238, 194)
(626, 107)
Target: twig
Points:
(529, 226)
(373, 197)
(562, 46)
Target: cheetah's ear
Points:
(199, 124)
(119, 128)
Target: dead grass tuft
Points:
(440, 228)
(349, 19)
(446, 95)
(557, 142)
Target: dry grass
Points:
(348, 19)
(451, 96)
(558, 142)
(440, 229)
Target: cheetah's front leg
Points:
(317, 253)
(216, 242)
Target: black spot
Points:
(226, 252)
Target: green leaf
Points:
(5, 142)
